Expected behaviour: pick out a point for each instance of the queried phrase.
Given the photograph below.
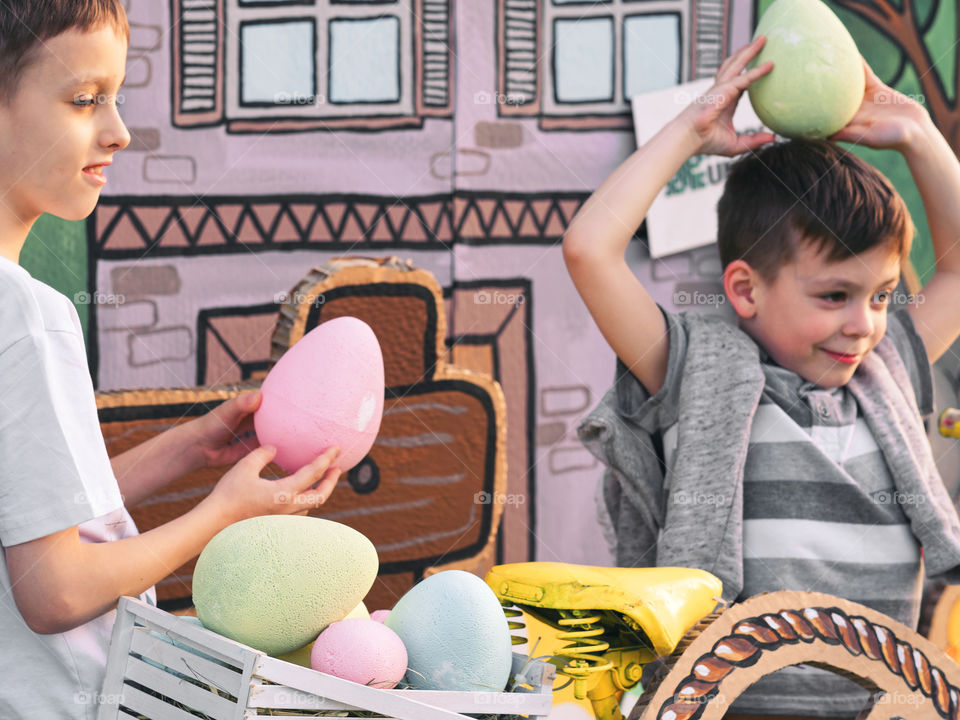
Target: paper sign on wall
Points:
(684, 214)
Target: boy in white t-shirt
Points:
(70, 549)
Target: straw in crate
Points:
(207, 675)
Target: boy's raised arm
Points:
(937, 174)
(889, 120)
(597, 239)
(594, 247)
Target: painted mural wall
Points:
(271, 135)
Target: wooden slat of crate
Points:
(179, 690)
(152, 707)
(297, 688)
(196, 667)
(267, 696)
(203, 640)
(279, 696)
(483, 703)
(350, 693)
(119, 649)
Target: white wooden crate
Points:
(220, 679)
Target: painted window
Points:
(285, 65)
(577, 63)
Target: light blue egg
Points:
(455, 633)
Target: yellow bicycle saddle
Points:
(654, 606)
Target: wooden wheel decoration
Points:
(909, 676)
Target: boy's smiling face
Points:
(61, 124)
(819, 318)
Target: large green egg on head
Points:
(817, 81)
(275, 582)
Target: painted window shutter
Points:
(709, 46)
(518, 40)
(197, 62)
(435, 58)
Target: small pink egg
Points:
(326, 390)
(380, 615)
(362, 650)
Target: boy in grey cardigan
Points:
(787, 452)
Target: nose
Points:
(114, 134)
(859, 321)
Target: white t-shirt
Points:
(54, 474)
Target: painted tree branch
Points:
(901, 27)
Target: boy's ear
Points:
(740, 285)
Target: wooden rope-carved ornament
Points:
(909, 676)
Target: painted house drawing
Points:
(270, 136)
(463, 135)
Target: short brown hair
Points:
(812, 190)
(26, 24)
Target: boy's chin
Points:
(78, 212)
(836, 377)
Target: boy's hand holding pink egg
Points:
(316, 415)
(242, 493)
(225, 434)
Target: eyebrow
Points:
(847, 284)
(98, 81)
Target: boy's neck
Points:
(13, 236)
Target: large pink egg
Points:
(326, 390)
(361, 650)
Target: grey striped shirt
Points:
(821, 513)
